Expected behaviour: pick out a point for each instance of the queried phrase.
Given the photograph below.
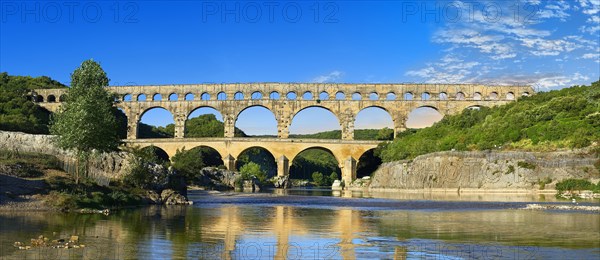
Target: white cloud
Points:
(331, 77)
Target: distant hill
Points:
(566, 118)
(16, 112)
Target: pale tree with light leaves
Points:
(85, 123)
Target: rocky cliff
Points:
(485, 170)
(102, 168)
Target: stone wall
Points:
(486, 170)
(102, 168)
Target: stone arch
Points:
(374, 96)
(205, 96)
(460, 96)
(373, 115)
(494, 95)
(308, 95)
(141, 97)
(367, 163)
(443, 96)
(423, 116)
(291, 95)
(274, 95)
(356, 96)
(141, 117)
(425, 96)
(222, 96)
(238, 95)
(189, 125)
(525, 94)
(51, 99)
(262, 156)
(408, 96)
(159, 152)
(390, 96)
(126, 97)
(307, 174)
(157, 97)
(214, 162)
(295, 114)
(173, 97)
(262, 121)
(477, 96)
(63, 98)
(474, 107)
(189, 96)
(323, 95)
(256, 95)
(340, 95)
(510, 96)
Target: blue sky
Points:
(548, 44)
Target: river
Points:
(315, 225)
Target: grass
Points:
(526, 165)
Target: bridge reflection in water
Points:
(286, 227)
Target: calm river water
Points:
(316, 225)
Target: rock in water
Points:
(171, 197)
(337, 185)
(282, 182)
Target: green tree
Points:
(385, 134)
(252, 169)
(85, 122)
(318, 178)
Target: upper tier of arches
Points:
(302, 91)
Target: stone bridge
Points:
(285, 100)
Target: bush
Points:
(318, 179)
(252, 169)
(333, 177)
(574, 184)
(543, 182)
(526, 165)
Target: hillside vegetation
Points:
(16, 112)
(566, 118)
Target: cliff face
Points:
(485, 171)
(102, 168)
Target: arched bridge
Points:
(285, 100)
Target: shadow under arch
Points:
(423, 116)
(367, 163)
(314, 159)
(160, 154)
(266, 124)
(210, 156)
(259, 155)
(298, 115)
(147, 131)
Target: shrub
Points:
(526, 165)
(252, 169)
(333, 177)
(574, 184)
(318, 179)
(543, 182)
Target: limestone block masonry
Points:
(286, 100)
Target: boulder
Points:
(252, 185)
(337, 185)
(282, 182)
(171, 197)
(219, 179)
(153, 197)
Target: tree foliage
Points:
(86, 121)
(252, 169)
(566, 118)
(189, 163)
